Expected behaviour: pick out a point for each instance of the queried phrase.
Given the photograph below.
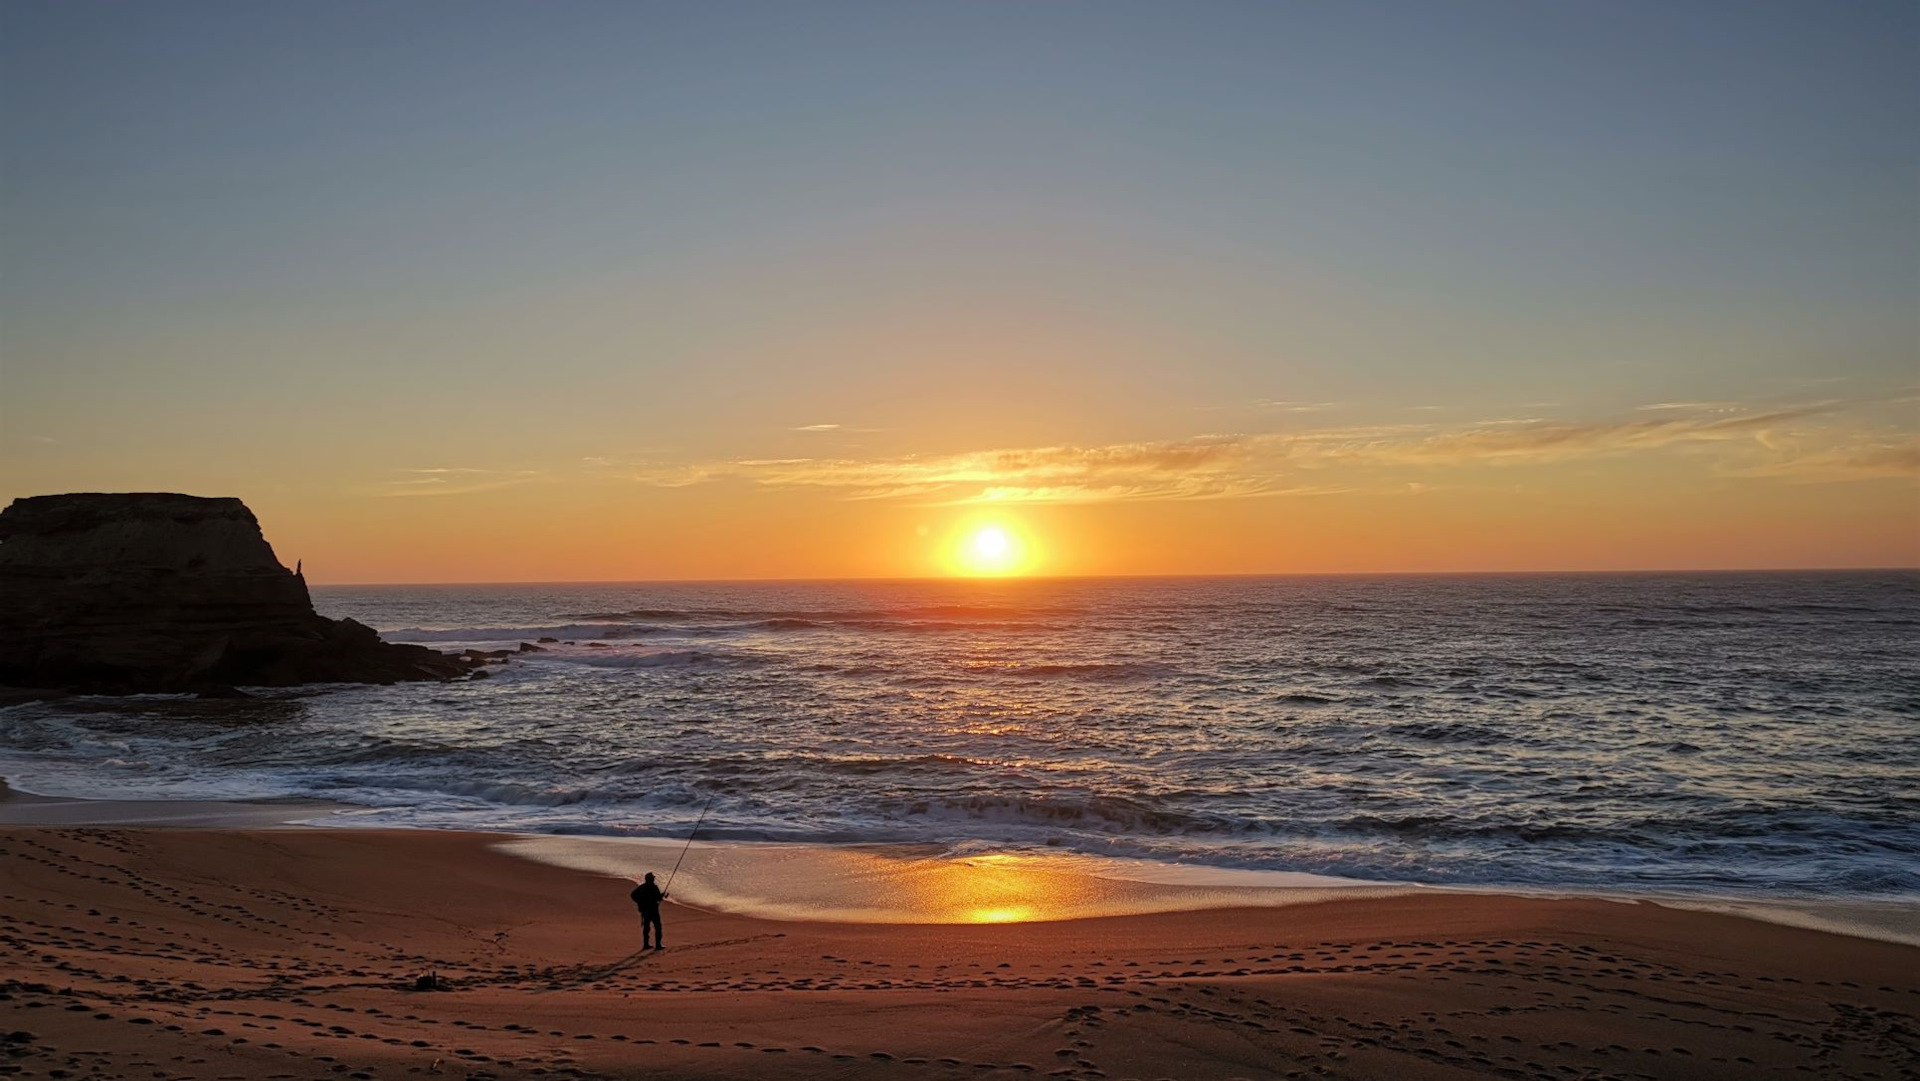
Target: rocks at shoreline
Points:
(155, 592)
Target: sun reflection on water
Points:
(998, 888)
(1008, 914)
(905, 883)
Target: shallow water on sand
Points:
(1752, 735)
(923, 883)
(933, 884)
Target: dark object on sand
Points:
(647, 897)
(430, 982)
(152, 591)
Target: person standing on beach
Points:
(647, 897)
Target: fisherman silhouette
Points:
(647, 897)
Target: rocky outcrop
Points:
(150, 591)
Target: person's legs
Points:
(647, 924)
(651, 921)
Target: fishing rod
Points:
(689, 844)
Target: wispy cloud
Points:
(1692, 407)
(1204, 467)
(451, 480)
(839, 428)
(1806, 441)
(1863, 461)
(1541, 441)
(1275, 405)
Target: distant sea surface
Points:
(1750, 735)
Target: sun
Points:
(990, 549)
(990, 545)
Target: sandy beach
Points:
(177, 953)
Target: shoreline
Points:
(20, 808)
(298, 952)
(1084, 888)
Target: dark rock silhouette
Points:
(152, 591)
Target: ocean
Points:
(1743, 735)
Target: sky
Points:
(486, 291)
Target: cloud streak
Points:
(1541, 441)
(1898, 458)
(1801, 441)
(452, 480)
(1204, 467)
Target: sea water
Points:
(1749, 736)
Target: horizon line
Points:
(877, 579)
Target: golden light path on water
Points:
(923, 884)
(920, 883)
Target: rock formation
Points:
(152, 591)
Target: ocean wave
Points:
(1391, 683)
(631, 614)
(1106, 672)
(1438, 827)
(787, 623)
(498, 792)
(609, 628)
(1103, 814)
(939, 626)
(882, 764)
(1436, 732)
(658, 658)
(954, 612)
(378, 750)
(884, 626)
(578, 632)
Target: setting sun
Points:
(991, 545)
(995, 548)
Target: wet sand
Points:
(223, 954)
(19, 808)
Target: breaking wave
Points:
(1101, 671)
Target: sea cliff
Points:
(153, 591)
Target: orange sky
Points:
(700, 291)
(1503, 519)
